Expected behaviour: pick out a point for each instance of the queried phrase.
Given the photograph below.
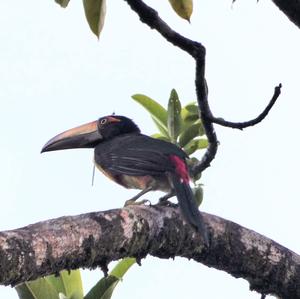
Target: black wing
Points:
(136, 155)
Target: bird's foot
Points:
(163, 201)
(132, 202)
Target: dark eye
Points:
(103, 121)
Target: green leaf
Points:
(190, 119)
(174, 117)
(198, 195)
(189, 114)
(76, 295)
(24, 292)
(162, 129)
(68, 283)
(160, 136)
(122, 267)
(158, 112)
(190, 133)
(184, 8)
(63, 3)
(104, 288)
(192, 108)
(191, 162)
(95, 14)
(37, 289)
(202, 143)
(196, 144)
(191, 147)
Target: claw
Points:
(166, 203)
(132, 202)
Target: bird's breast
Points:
(138, 182)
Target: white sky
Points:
(56, 75)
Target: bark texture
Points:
(94, 239)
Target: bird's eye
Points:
(103, 121)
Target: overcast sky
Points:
(55, 75)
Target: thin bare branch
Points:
(291, 8)
(252, 122)
(150, 17)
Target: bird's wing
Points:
(136, 155)
(132, 162)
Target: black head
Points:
(91, 134)
(114, 125)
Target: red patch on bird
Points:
(180, 168)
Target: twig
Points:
(291, 9)
(245, 124)
(205, 114)
(149, 16)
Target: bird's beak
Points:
(84, 136)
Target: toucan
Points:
(135, 161)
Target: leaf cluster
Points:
(179, 125)
(68, 285)
(95, 11)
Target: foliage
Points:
(65, 285)
(183, 8)
(63, 3)
(68, 285)
(104, 288)
(95, 11)
(179, 125)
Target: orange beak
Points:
(84, 136)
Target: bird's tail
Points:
(188, 206)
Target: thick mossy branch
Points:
(95, 239)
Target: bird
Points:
(135, 161)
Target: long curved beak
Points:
(84, 136)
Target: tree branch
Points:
(291, 8)
(150, 17)
(95, 239)
(252, 122)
